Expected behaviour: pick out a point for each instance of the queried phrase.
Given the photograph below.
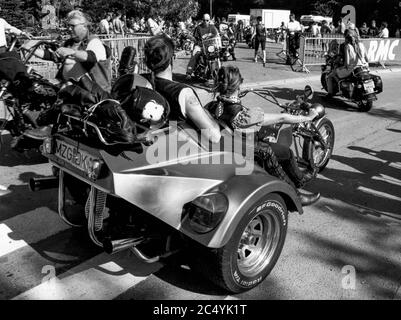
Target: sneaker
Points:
(40, 133)
(264, 64)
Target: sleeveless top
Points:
(100, 72)
(260, 32)
(171, 91)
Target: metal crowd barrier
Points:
(381, 51)
(312, 50)
(117, 46)
(49, 69)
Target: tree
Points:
(173, 10)
(325, 8)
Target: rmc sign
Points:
(380, 50)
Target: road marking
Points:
(8, 245)
(379, 193)
(389, 179)
(395, 165)
(97, 278)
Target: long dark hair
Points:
(228, 80)
(352, 38)
(159, 52)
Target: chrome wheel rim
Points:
(258, 244)
(319, 153)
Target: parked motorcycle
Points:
(360, 87)
(186, 42)
(24, 94)
(209, 62)
(248, 37)
(223, 220)
(228, 45)
(312, 142)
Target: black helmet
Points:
(125, 84)
(147, 108)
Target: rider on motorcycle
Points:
(228, 109)
(183, 101)
(82, 56)
(202, 31)
(354, 55)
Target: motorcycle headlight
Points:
(206, 212)
(319, 109)
(210, 49)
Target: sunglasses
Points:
(206, 20)
(74, 25)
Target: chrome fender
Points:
(243, 192)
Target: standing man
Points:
(294, 29)
(373, 30)
(153, 27)
(5, 26)
(341, 26)
(118, 26)
(203, 31)
(384, 33)
(104, 25)
(260, 39)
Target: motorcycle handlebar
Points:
(296, 105)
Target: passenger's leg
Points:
(331, 81)
(263, 44)
(194, 60)
(256, 48)
(271, 164)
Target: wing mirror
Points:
(308, 92)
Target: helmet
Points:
(147, 108)
(126, 83)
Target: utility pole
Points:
(211, 8)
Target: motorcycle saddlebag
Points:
(378, 83)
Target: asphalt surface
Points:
(355, 227)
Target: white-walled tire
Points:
(253, 250)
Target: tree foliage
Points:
(325, 8)
(169, 9)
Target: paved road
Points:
(356, 226)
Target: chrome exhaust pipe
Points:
(114, 246)
(36, 184)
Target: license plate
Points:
(79, 159)
(369, 86)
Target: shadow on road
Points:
(372, 185)
(12, 158)
(20, 199)
(336, 103)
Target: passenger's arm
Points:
(272, 118)
(200, 117)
